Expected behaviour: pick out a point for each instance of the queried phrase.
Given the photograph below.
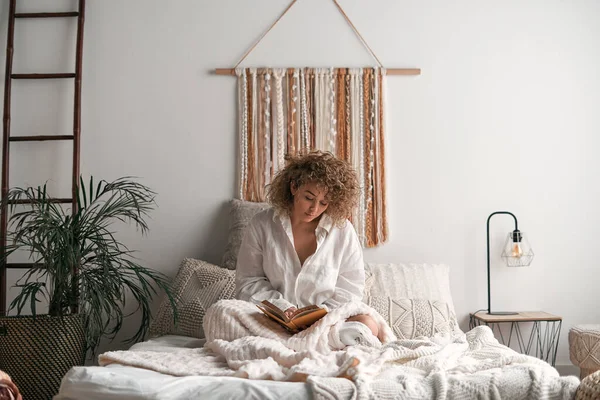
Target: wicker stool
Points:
(589, 389)
(584, 348)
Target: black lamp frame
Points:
(516, 238)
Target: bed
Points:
(431, 357)
(128, 383)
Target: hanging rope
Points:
(265, 34)
(363, 41)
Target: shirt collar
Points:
(325, 223)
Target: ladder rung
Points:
(43, 76)
(40, 138)
(25, 201)
(47, 14)
(22, 265)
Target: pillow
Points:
(239, 216)
(197, 286)
(409, 281)
(412, 318)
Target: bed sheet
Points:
(129, 383)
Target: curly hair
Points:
(335, 176)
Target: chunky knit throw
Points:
(242, 342)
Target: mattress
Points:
(129, 383)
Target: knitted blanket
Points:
(464, 366)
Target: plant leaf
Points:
(81, 262)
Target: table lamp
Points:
(517, 253)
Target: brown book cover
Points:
(301, 319)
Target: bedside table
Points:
(543, 338)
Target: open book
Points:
(301, 319)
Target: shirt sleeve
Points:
(350, 283)
(250, 280)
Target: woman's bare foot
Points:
(368, 321)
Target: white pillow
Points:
(409, 281)
(413, 318)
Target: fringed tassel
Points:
(311, 107)
(375, 153)
(304, 113)
(363, 160)
(341, 114)
(333, 121)
(252, 123)
(368, 160)
(293, 100)
(321, 121)
(267, 173)
(243, 129)
(278, 73)
(381, 183)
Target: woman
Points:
(303, 251)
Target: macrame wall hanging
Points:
(289, 110)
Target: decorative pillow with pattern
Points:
(197, 286)
(412, 318)
(239, 216)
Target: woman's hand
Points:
(288, 313)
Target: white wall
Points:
(504, 116)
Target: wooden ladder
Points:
(7, 139)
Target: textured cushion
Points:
(409, 281)
(197, 286)
(412, 318)
(239, 216)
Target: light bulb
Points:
(516, 250)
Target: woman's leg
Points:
(233, 319)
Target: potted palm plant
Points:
(83, 273)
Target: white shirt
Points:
(268, 267)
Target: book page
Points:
(273, 310)
(304, 310)
(308, 318)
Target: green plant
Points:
(78, 261)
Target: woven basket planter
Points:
(38, 352)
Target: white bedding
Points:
(471, 365)
(129, 383)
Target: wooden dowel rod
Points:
(389, 71)
(403, 71)
(225, 71)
